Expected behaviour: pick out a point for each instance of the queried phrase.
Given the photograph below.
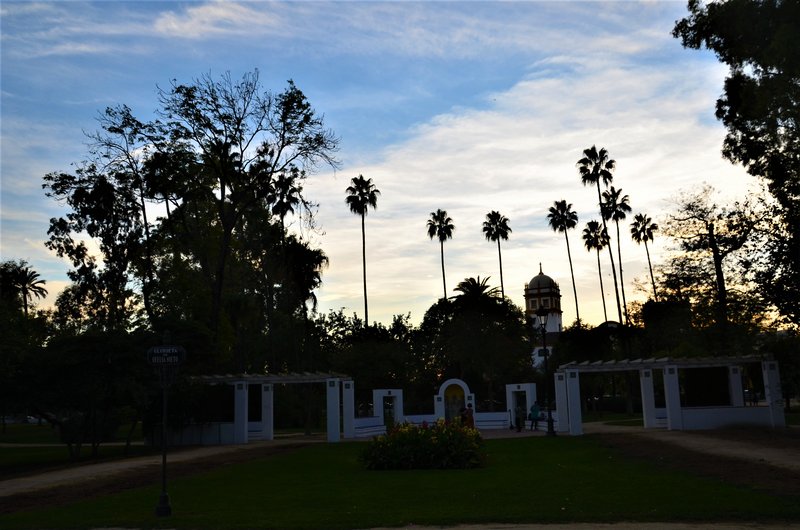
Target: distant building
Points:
(543, 291)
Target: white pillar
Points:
(561, 402)
(574, 402)
(332, 387)
(772, 392)
(672, 395)
(267, 412)
(648, 398)
(399, 411)
(348, 409)
(240, 413)
(735, 388)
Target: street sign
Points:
(166, 355)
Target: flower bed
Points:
(442, 445)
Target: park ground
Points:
(764, 459)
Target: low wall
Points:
(715, 417)
(418, 419)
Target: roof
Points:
(638, 364)
(287, 378)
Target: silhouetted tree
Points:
(562, 218)
(361, 195)
(441, 226)
(615, 208)
(642, 230)
(595, 238)
(495, 228)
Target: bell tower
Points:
(543, 292)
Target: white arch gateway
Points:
(676, 415)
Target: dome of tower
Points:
(542, 281)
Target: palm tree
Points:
(642, 229)
(476, 289)
(284, 196)
(495, 228)
(615, 208)
(594, 167)
(30, 285)
(361, 194)
(441, 226)
(595, 238)
(562, 218)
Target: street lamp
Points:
(542, 314)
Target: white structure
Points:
(676, 416)
(340, 409)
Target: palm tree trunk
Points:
(574, 289)
(622, 281)
(364, 262)
(602, 290)
(650, 266)
(500, 257)
(444, 284)
(610, 254)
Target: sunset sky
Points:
(464, 106)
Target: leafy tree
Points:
(104, 207)
(596, 238)
(594, 167)
(615, 208)
(642, 230)
(760, 107)
(285, 194)
(246, 140)
(562, 218)
(495, 228)
(441, 226)
(361, 195)
(714, 234)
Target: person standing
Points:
(535, 416)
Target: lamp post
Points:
(542, 314)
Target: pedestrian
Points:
(470, 417)
(520, 417)
(534, 417)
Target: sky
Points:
(464, 106)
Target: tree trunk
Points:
(621, 280)
(602, 290)
(500, 257)
(610, 254)
(444, 284)
(572, 273)
(650, 266)
(364, 263)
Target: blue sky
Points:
(464, 106)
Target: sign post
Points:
(165, 359)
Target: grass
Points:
(544, 480)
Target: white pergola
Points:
(340, 404)
(678, 417)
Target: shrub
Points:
(442, 445)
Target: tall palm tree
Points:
(562, 218)
(616, 206)
(595, 238)
(361, 195)
(495, 228)
(642, 229)
(595, 166)
(476, 289)
(284, 196)
(441, 226)
(30, 285)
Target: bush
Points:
(442, 445)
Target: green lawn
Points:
(323, 486)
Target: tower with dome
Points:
(543, 291)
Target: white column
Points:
(672, 395)
(772, 392)
(348, 409)
(561, 402)
(377, 405)
(240, 413)
(399, 411)
(648, 398)
(267, 412)
(332, 387)
(735, 388)
(574, 402)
